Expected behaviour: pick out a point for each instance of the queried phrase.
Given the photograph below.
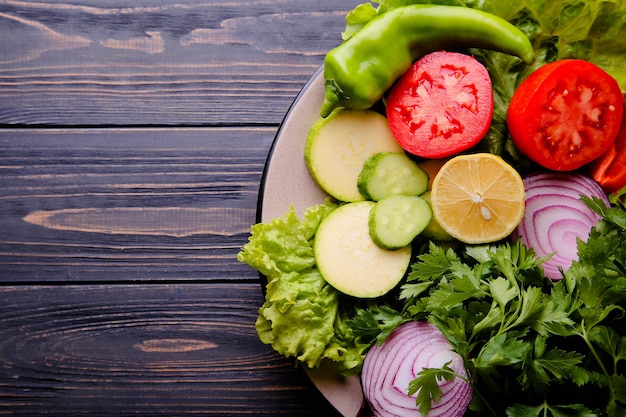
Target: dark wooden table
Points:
(133, 136)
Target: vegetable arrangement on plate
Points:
(488, 283)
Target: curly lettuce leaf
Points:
(591, 30)
(298, 315)
(301, 316)
(283, 245)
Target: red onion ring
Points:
(555, 217)
(388, 369)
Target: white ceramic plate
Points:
(286, 181)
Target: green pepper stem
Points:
(333, 98)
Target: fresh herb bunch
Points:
(533, 347)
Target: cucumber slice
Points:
(391, 173)
(338, 146)
(434, 230)
(396, 220)
(350, 261)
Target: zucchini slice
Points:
(338, 146)
(348, 258)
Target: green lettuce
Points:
(302, 316)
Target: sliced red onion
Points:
(555, 217)
(389, 368)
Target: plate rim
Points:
(277, 136)
(323, 379)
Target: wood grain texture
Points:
(160, 62)
(128, 204)
(133, 137)
(137, 350)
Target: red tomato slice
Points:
(609, 170)
(443, 105)
(565, 114)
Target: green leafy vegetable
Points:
(544, 410)
(427, 388)
(376, 324)
(302, 316)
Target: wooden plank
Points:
(136, 350)
(160, 62)
(128, 204)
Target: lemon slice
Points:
(478, 198)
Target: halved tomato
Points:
(441, 106)
(609, 170)
(565, 114)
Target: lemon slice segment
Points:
(478, 198)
